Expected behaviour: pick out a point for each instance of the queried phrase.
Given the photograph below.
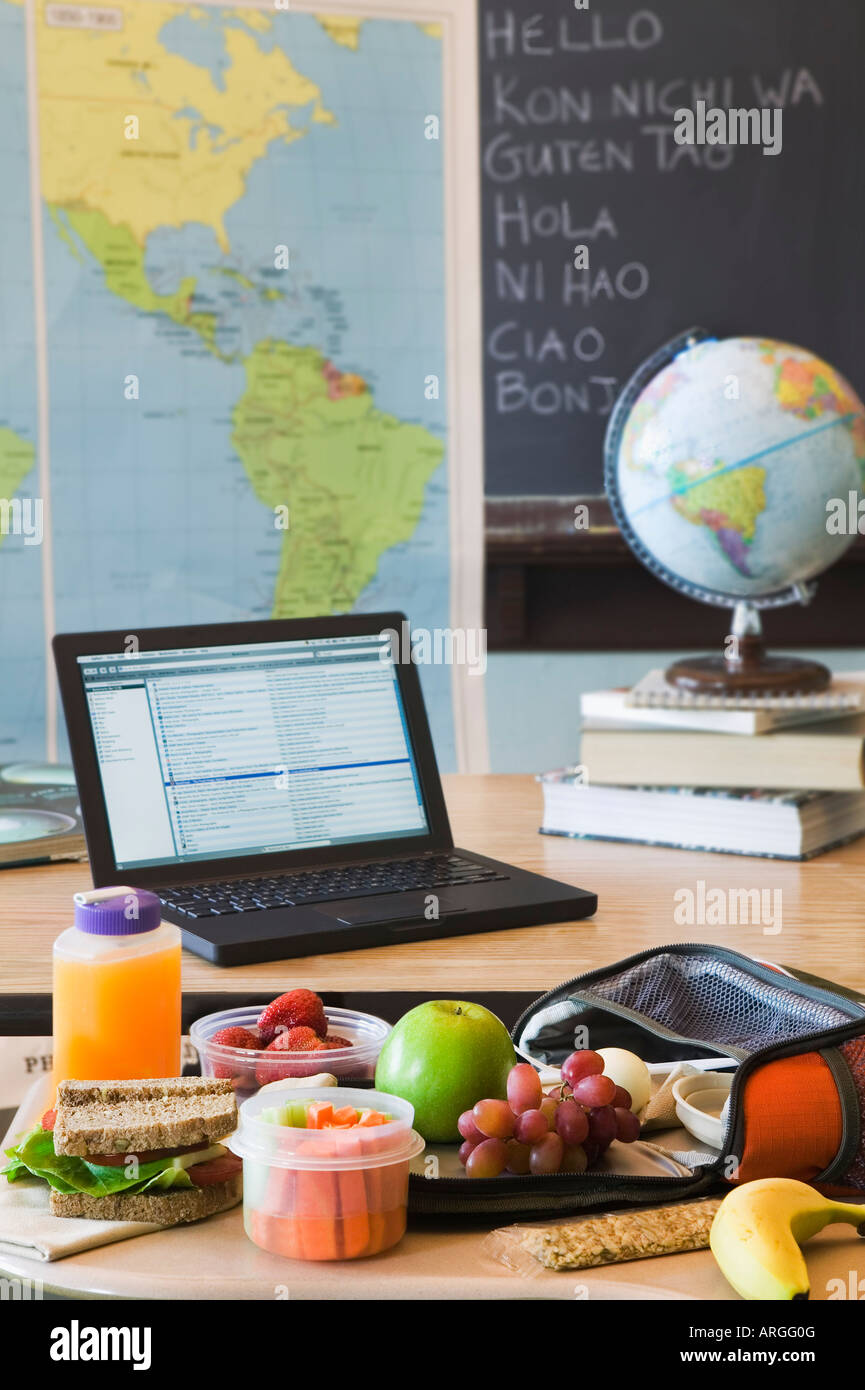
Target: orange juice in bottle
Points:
(117, 990)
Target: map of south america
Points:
(313, 442)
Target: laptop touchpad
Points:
(394, 907)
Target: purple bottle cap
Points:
(132, 910)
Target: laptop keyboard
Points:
(325, 885)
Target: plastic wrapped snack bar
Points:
(587, 1242)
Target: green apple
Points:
(442, 1057)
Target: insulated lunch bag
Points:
(797, 1103)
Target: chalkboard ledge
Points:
(549, 529)
(559, 577)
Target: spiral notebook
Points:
(843, 696)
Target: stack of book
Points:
(775, 776)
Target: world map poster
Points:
(223, 327)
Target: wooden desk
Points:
(822, 926)
(438, 1259)
(822, 932)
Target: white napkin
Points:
(29, 1231)
(659, 1112)
(27, 1227)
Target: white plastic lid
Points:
(285, 1146)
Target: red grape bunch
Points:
(563, 1131)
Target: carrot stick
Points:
(354, 1207)
(372, 1181)
(316, 1207)
(394, 1225)
(378, 1185)
(276, 1233)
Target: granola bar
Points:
(621, 1235)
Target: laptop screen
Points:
(213, 752)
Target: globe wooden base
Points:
(745, 669)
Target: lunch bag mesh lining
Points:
(716, 1001)
(701, 997)
(853, 1053)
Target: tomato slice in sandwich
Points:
(216, 1170)
(146, 1156)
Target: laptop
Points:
(275, 784)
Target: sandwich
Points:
(135, 1150)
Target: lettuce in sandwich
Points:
(35, 1157)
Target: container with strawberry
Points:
(294, 1036)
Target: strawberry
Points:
(296, 1040)
(333, 1040)
(235, 1037)
(296, 1009)
(293, 1040)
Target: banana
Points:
(757, 1231)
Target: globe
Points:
(728, 464)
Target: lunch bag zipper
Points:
(607, 1188)
(682, 948)
(656, 1029)
(851, 1125)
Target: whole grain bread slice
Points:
(172, 1208)
(109, 1117)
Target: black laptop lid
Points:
(236, 748)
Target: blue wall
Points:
(533, 700)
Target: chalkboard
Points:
(577, 150)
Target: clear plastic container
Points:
(251, 1068)
(328, 1194)
(116, 999)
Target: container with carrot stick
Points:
(326, 1172)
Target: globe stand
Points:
(744, 668)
